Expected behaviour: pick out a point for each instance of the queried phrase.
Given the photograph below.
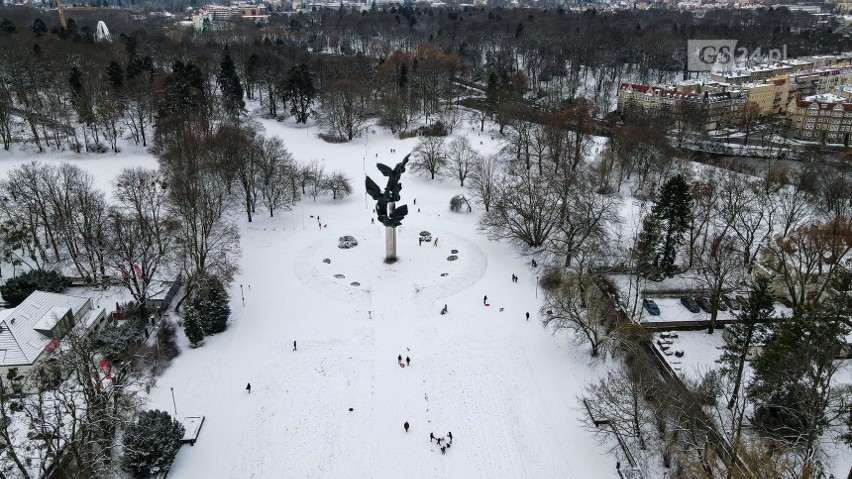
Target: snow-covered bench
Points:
(192, 428)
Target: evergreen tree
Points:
(252, 73)
(213, 304)
(673, 210)
(192, 324)
(79, 98)
(663, 229)
(229, 84)
(299, 90)
(39, 28)
(115, 74)
(6, 26)
(645, 253)
(151, 444)
(750, 331)
(794, 398)
(16, 289)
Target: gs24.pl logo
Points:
(724, 55)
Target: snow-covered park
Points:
(334, 406)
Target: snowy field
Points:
(505, 388)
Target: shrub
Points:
(150, 445)
(210, 304)
(167, 341)
(192, 325)
(115, 341)
(550, 279)
(332, 138)
(435, 129)
(16, 290)
(458, 201)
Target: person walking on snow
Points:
(294, 345)
(407, 361)
(485, 299)
(450, 435)
(528, 315)
(406, 426)
(436, 241)
(431, 436)
(399, 359)
(248, 388)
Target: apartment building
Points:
(720, 107)
(825, 118)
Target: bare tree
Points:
(585, 215)
(807, 258)
(316, 178)
(275, 172)
(522, 211)
(622, 399)
(429, 155)
(462, 158)
(339, 185)
(345, 105)
(719, 270)
(199, 200)
(235, 158)
(484, 177)
(578, 308)
(140, 232)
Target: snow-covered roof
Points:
(51, 318)
(20, 342)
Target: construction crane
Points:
(61, 15)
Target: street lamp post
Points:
(173, 400)
(242, 295)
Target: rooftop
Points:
(20, 342)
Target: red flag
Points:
(105, 367)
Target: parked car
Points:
(690, 304)
(731, 302)
(742, 300)
(651, 307)
(721, 305)
(704, 303)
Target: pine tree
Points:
(115, 74)
(192, 324)
(6, 26)
(299, 90)
(645, 253)
(214, 306)
(671, 218)
(229, 84)
(15, 290)
(39, 28)
(793, 395)
(150, 445)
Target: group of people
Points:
(514, 278)
(421, 240)
(447, 441)
(407, 360)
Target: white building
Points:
(33, 329)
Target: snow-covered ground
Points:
(506, 388)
